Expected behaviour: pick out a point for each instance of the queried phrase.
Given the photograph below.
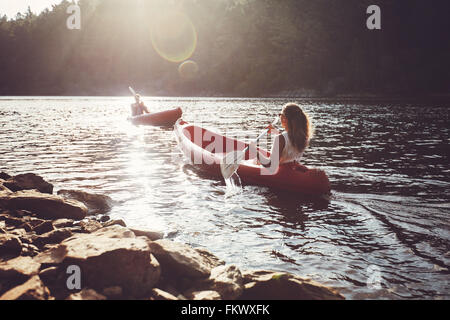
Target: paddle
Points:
(132, 91)
(231, 161)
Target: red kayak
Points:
(162, 119)
(206, 149)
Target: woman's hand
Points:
(272, 129)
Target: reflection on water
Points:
(387, 220)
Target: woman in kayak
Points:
(288, 146)
(139, 107)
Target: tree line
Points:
(234, 48)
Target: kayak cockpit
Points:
(215, 143)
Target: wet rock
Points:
(158, 294)
(151, 235)
(211, 259)
(86, 294)
(33, 289)
(44, 205)
(203, 295)
(10, 245)
(16, 271)
(28, 181)
(116, 222)
(111, 256)
(4, 176)
(179, 259)
(96, 203)
(268, 285)
(227, 281)
(104, 218)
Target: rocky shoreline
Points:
(65, 246)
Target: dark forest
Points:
(253, 48)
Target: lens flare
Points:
(188, 70)
(174, 36)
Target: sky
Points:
(11, 7)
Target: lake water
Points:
(385, 233)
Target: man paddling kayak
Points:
(289, 146)
(139, 107)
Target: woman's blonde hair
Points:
(299, 126)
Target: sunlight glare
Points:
(174, 36)
(188, 70)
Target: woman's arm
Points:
(144, 108)
(275, 154)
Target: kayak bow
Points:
(162, 119)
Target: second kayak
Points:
(162, 119)
(198, 145)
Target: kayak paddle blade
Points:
(230, 163)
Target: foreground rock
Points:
(268, 285)
(10, 245)
(27, 181)
(96, 203)
(40, 240)
(86, 294)
(112, 256)
(4, 176)
(33, 289)
(152, 235)
(181, 260)
(16, 271)
(227, 281)
(43, 205)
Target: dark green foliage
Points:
(245, 48)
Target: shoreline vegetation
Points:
(46, 236)
(241, 48)
(343, 97)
